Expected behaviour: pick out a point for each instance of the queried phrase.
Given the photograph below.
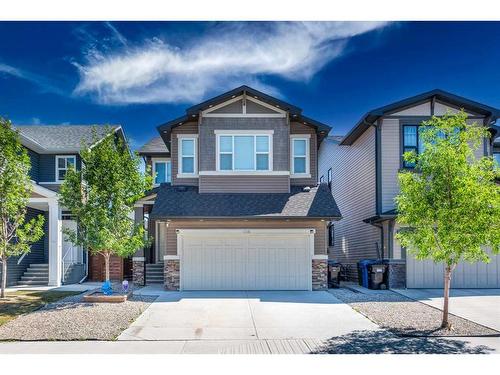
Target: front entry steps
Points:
(74, 273)
(36, 274)
(154, 273)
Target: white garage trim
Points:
(260, 270)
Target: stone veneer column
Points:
(138, 270)
(172, 273)
(319, 274)
(395, 273)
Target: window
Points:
(331, 235)
(300, 155)
(187, 155)
(330, 178)
(322, 179)
(63, 163)
(244, 152)
(496, 157)
(412, 141)
(162, 171)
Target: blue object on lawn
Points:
(106, 288)
(363, 270)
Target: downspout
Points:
(378, 179)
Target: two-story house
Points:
(362, 170)
(236, 204)
(52, 150)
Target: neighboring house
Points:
(365, 165)
(236, 203)
(52, 150)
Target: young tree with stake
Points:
(16, 234)
(449, 205)
(101, 197)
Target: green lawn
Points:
(25, 301)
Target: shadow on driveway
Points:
(379, 342)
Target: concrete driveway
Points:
(246, 316)
(479, 305)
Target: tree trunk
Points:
(106, 264)
(4, 277)
(447, 282)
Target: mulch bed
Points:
(406, 317)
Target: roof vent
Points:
(307, 189)
(181, 189)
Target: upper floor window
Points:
(330, 178)
(244, 152)
(63, 163)
(322, 179)
(300, 155)
(187, 154)
(411, 142)
(162, 171)
(496, 157)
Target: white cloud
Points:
(228, 56)
(41, 82)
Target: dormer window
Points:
(299, 152)
(63, 163)
(162, 170)
(244, 151)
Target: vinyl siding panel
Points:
(423, 109)
(298, 128)
(208, 138)
(244, 184)
(38, 253)
(391, 159)
(320, 238)
(35, 164)
(353, 187)
(187, 128)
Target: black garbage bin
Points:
(376, 276)
(333, 274)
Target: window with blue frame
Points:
(162, 170)
(411, 142)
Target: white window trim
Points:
(181, 137)
(307, 138)
(250, 133)
(164, 160)
(57, 165)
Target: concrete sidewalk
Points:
(481, 306)
(385, 344)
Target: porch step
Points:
(36, 274)
(154, 273)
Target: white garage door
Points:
(234, 259)
(427, 274)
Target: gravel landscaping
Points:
(406, 317)
(72, 319)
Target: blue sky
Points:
(141, 74)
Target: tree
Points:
(450, 204)
(101, 197)
(15, 189)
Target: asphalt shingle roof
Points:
(62, 137)
(185, 201)
(154, 146)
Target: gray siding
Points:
(35, 164)
(38, 253)
(353, 187)
(210, 124)
(298, 128)
(187, 128)
(47, 166)
(244, 184)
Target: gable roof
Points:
(186, 202)
(192, 113)
(62, 138)
(154, 146)
(370, 117)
